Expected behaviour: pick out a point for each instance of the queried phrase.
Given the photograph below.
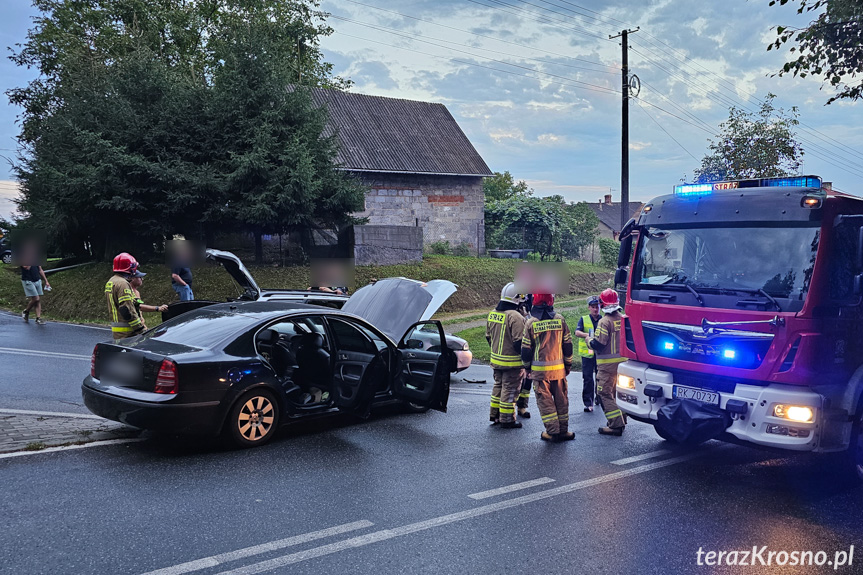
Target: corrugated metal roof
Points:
(393, 135)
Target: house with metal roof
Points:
(420, 169)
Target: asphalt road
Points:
(405, 493)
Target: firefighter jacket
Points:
(503, 331)
(125, 321)
(587, 326)
(546, 348)
(606, 339)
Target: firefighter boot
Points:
(511, 425)
(616, 431)
(523, 413)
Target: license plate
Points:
(704, 396)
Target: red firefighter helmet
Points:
(125, 263)
(609, 298)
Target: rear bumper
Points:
(757, 426)
(164, 416)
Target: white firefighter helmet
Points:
(510, 294)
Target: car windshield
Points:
(775, 260)
(200, 328)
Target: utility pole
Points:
(624, 140)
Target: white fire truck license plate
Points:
(680, 392)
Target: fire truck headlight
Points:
(800, 413)
(625, 382)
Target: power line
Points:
(486, 37)
(666, 131)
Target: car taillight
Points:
(166, 381)
(93, 361)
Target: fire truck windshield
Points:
(773, 262)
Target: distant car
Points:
(244, 368)
(5, 251)
(251, 292)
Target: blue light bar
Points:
(799, 182)
(693, 189)
(729, 354)
(669, 345)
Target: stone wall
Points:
(447, 208)
(387, 245)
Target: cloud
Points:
(9, 190)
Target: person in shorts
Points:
(31, 279)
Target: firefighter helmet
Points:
(125, 263)
(543, 299)
(609, 300)
(510, 294)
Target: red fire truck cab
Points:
(743, 315)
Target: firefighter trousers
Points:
(507, 385)
(588, 370)
(606, 386)
(553, 403)
(524, 397)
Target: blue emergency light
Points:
(689, 190)
(669, 345)
(729, 354)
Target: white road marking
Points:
(386, 534)
(471, 392)
(50, 414)
(69, 447)
(16, 351)
(642, 457)
(511, 488)
(213, 561)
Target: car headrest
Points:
(268, 336)
(314, 340)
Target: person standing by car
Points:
(31, 279)
(503, 331)
(125, 321)
(135, 281)
(546, 349)
(584, 331)
(606, 343)
(181, 281)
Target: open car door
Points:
(423, 369)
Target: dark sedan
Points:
(242, 369)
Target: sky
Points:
(535, 84)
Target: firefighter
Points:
(606, 343)
(523, 402)
(504, 331)
(546, 350)
(125, 321)
(584, 331)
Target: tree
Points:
(501, 187)
(758, 144)
(548, 226)
(831, 46)
(140, 124)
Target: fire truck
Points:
(743, 319)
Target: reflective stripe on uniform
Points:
(495, 402)
(613, 414)
(610, 360)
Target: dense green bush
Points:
(608, 250)
(441, 248)
(462, 250)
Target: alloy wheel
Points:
(256, 418)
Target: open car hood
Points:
(394, 304)
(237, 270)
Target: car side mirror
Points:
(414, 344)
(620, 276)
(625, 251)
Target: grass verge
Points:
(79, 295)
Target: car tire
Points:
(415, 407)
(7, 258)
(253, 420)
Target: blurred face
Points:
(594, 309)
(136, 282)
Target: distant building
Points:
(609, 215)
(420, 168)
